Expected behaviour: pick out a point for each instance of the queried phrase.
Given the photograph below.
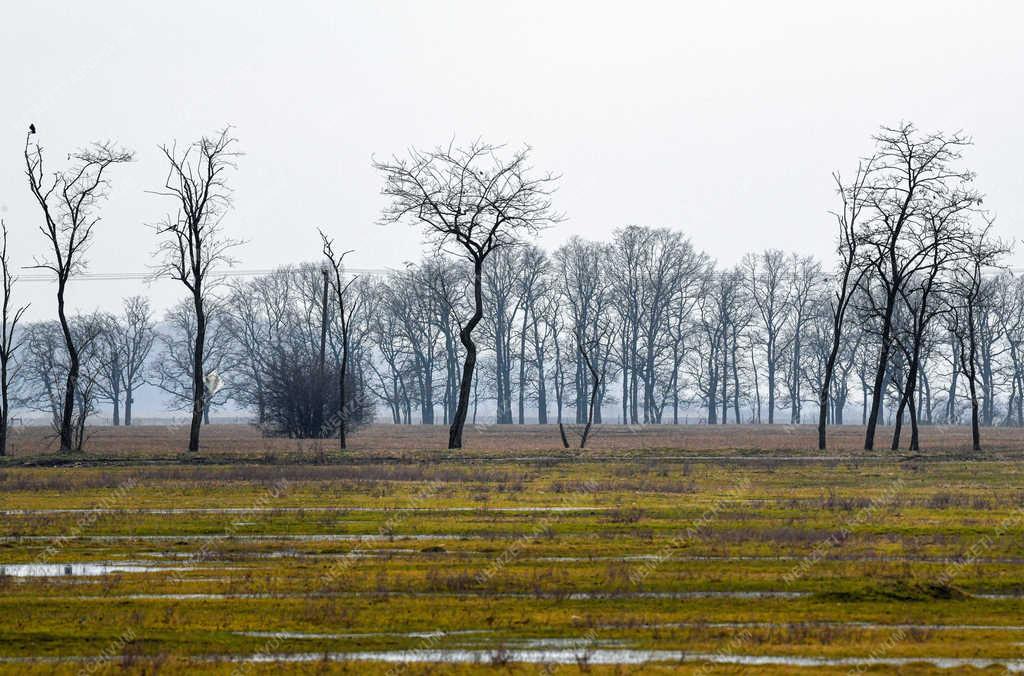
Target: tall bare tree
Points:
(475, 201)
(9, 344)
(69, 200)
(193, 242)
(348, 305)
(912, 171)
(847, 277)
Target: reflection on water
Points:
(84, 569)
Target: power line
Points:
(144, 276)
(371, 272)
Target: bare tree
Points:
(502, 295)
(847, 277)
(111, 369)
(806, 280)
(981, 252)
(172, 370)
(595, 384)
(69, 201)
(912, 171)
(193, 242)
(766, 276)
(475, 201)
(46, 370)
(348, 306)
(9, 344)
(136, 341)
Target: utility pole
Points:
(323, 324)
(323, 354)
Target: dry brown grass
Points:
(799, 440)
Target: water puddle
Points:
(628, 656)
(580, 654)
(577, 596)
(82, 569)
(290, 510)
(586, 596)
(328, 537)
(821, 623)
(378, 634)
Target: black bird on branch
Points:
(32, 128)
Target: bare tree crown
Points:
(192, 241)
(472, 196)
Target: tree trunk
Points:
(466, 336)
(343, 421)
(115, 381)
(5, 409)
(972, 358)
(198, 386)
(542, 395)
(880, 370)
(596, 383)
(71, 385)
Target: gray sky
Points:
(722, 119)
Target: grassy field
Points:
(696, 549)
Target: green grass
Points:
(863, 544)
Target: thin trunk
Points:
(198, 386)
(880, 371)
(71, 385)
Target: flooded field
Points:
(603, 561)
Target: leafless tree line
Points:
(915, 321)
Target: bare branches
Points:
(9, 319)
(476, 202)
(469, 196)
(69, 200)
(192, 241)
(346, 309)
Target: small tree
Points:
(9, 319)
(69, 201)
(173, 369)
(347, 308)
(474, 202)
(136, 340)
(193, 242)
(45, 368)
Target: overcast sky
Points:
(722, 119)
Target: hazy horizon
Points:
(723, 120)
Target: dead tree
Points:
(9, 319)
(476, 202)
(69, 201)
(192, 242)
